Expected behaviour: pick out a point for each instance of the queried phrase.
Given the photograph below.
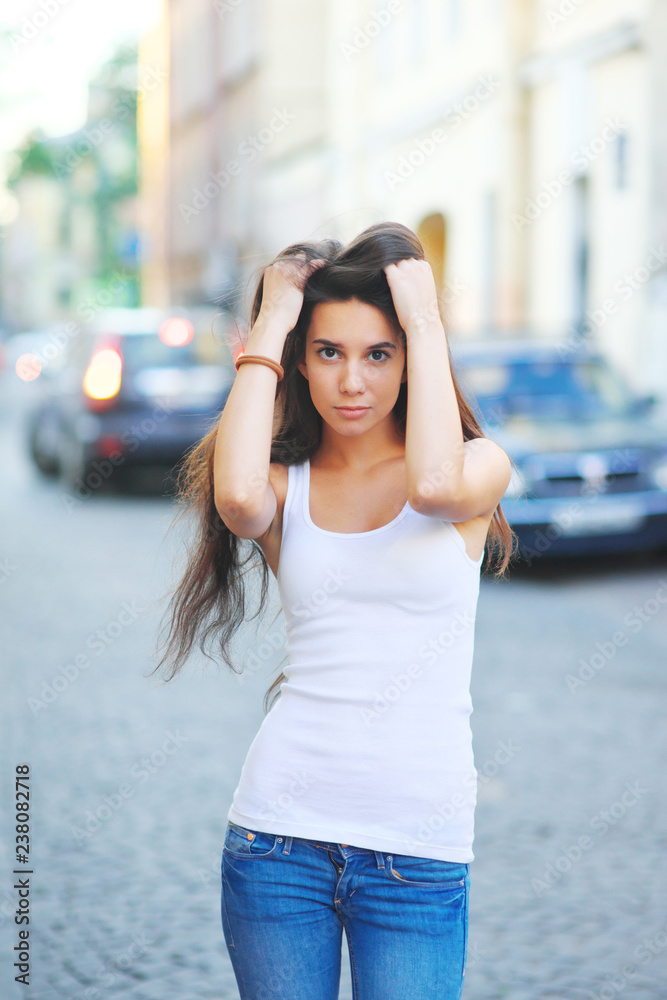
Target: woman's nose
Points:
(352, 378)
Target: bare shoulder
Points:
(487, 456)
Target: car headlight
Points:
(516, 486)
(659, 474)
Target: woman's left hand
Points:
(414, 293)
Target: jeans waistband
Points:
(346, 850)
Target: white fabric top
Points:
(369, 742)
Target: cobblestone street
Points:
(131, 779)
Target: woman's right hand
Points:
(282, 293)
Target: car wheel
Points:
(39, 438)
(73, 465)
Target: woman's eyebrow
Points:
(373, 347)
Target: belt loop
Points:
(379, 858)
(288, 845)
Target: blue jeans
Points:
(286, 900)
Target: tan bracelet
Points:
(262, 360)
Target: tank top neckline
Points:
(341, 534)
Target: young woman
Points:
(349, 461)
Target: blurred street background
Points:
(154, 156)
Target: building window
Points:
(580, 251)
(384, 49)
(621, 160)
(418, 30)
(454, 16)
(488, 261)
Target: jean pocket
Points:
(243, 842)
(427, 873)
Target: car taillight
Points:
(176, 331)
(101, 382)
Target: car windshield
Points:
(547, 390)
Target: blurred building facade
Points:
(71, 246)
(153, 167)
(525, 141)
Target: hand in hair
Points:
(283, 285)
(414, 294)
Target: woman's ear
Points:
(301, 365)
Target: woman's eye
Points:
(328, 356)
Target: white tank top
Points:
(369, 742)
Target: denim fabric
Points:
(286, 900)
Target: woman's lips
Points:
(352, 411)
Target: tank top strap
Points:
(294, 493)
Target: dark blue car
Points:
(133, 388)
(591, 454)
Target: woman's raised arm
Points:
(244, 497)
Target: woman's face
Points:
(353, 358)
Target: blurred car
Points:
(591, 453)
(134, 387)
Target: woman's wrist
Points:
(425, 324)
(267, 337)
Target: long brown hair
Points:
(210, 601)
